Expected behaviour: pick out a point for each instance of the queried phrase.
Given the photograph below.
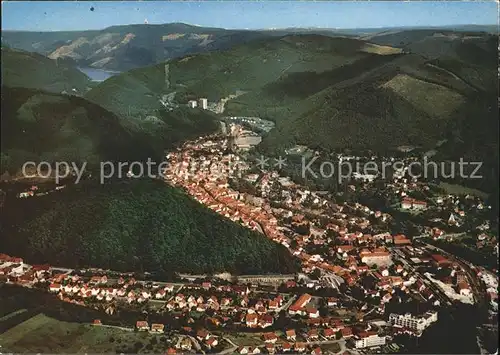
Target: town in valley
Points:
(328, 189)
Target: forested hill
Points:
(31, 70)
(405, 99)
(40, 126)
(134, 225)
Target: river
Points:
(96, 74)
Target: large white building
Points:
(418, 323)
(368, 340)
(203, 103)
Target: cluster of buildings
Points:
(444, 211)
(411, 203)
(351, 246)
(208, 181)
(201, 103)
(338, 245)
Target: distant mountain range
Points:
(126, 47)
(130, 46)
(410, 87)
(358, 31)
(301, 81)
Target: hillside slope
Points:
(400, 109)
(407, 99)
(135, 225)
(34, 71)
(218, 74)
(40, 126)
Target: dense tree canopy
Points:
(135, 225)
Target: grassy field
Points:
(330, 348)
(247, 339)
(12, 314)
(42, 334)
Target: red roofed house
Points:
(464, 289)
(16, 260)
(419, 205)
(251, 320)
(286, 347)
(401, 240)
(329, 333)
(299, 304)
(211, 342)
(55, 287)
(202, 334)
(99, 279)
(266, 320)
(273, 304)
(157, 328)
(4, 257)
(290, 334)
(270, 348)
(270, 337)
(290, 284)
(312, 334)
(312, 312)
(243, 350)
(346, 332)
(142, 325)
(440, 260)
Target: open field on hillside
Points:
(42, 334)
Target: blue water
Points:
(97, 74)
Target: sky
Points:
(77, 15)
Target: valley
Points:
(278, 180)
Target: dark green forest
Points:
(139, 225)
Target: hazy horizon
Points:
(259, 29)
(251, 15)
